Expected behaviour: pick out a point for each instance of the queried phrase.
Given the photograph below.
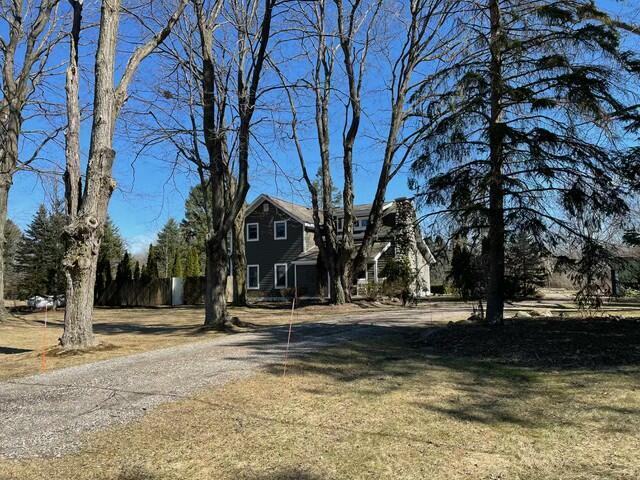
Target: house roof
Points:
(305, 214)
(298, 212)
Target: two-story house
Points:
(282, 257)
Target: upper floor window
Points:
(360, 224)
(253, 232)
(340, 222)
(280, 230)
(265, 207)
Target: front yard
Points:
(537, 399)
(124, 331)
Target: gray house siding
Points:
(267, 251)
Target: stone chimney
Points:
(405, 232)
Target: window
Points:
(253, 232)
(265, 207)
(253, 277)
(360, 224)
(340, 222)
(280, 230)
(280, 275)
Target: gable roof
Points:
(304, 214)
(300, 213)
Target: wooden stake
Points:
(286, 353)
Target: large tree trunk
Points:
(495, 256)
(78, 314)
(239, 262)
(337, 294)
(8, 161)
(215, 300)
(495, 289)
(5, 185)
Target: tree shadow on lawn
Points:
(527, 373)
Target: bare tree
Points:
(345, 34)
(25, 53)
(219, 57)
(87, 203)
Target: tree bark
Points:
(495, 254)
(5, 185)
(216, 315)
(337, 295)
(239, 262)
(87, 210)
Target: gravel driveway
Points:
(48, 414)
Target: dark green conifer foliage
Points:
(124, 272)
(40, 253)
(525, 268)
(524, 129)
(137, 273)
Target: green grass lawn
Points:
(536, 399)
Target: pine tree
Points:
(137, 274)
(525, 268)
(111, 251)
(522, 132)
(103, 276)
(40, 253)
(177, 270)
(193, 267)
(124, 272)
(194, 225)
(170, 245)
(112, 245)
(150, 270)
(466, 274)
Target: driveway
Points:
(48, 414)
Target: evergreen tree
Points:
(523, 131)
(193, 267)
(124, 272)
(466, 274)
(111, 251)
(525, 268)
(150, 270)
(40, 253)
(177, 269)
(169, 246)
(336, 194)
(137, 274)
(103, 276)
(112, 245)
(194, 225)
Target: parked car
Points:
(50, 302)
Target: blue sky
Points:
(149, 192)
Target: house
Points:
(282, 258)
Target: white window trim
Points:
(275, 230)
(275, 275)
(257, 232)
(257, 287)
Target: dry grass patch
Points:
(395, 406)
(124, 331)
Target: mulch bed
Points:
(548, 342)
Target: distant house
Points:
(282, 258)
